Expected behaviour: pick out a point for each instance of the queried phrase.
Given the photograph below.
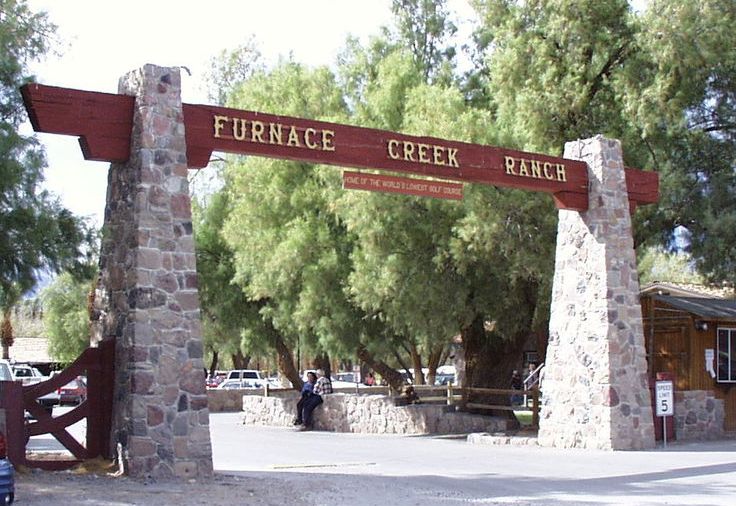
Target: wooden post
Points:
(99, 396)
(449, 394)
(11, 398)
(535, 408)
(265, 389)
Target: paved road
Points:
(450, 470)
(360, 469)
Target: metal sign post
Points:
(665, 404)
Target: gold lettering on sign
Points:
(308, 133)
(328, 136)
(274, 133)
(523, 167)
(430, 154)
(279, 134)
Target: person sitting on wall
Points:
(411, 395)
(322, 387)
(307, 389)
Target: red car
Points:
(74, 392)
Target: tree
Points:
(230, 68)
(229, 319)
(290, 256)
(683, 96)
(66, 317)
(36, 232)
(659, 265)
(424, 28)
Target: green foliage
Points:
(291, 252)
(552, 67)
(66, 317)
(231, 323)
(36, 232)
(330, 268)
(230, 68)
(424, 28)
(658, 265)
(684, 98)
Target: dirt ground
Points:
(36, 488)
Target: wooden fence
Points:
(98, 364)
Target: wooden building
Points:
(690, 332)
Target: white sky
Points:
(106, 39)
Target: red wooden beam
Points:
(104, 121)
(211, 128)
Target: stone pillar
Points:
(595, 388)
(149, 290)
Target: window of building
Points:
(726, 372)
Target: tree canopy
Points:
(398, 276)
(36, 232)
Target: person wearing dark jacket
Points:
(322, 387)
(305, 393)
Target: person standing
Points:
(516, 384)
(307, 389)
(322, 387)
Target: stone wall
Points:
(148, 298)
(224, 400)
(373, 414)
(698, 415)
(596, 392)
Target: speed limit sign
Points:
(665, 399)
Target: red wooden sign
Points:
(103, 123)
(408, 186)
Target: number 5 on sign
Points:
(665, 398)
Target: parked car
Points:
(29, 375)
(215, 380)
(249, 378)
(7, 473)
(237, 383)
(444, 379)
(347, 377)
(74, 392)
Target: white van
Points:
(243, 378)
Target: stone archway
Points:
(596, 395)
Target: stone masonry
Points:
(698, 415)
(149, 290)
(368, 414)
(595, 385)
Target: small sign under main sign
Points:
(407, 186)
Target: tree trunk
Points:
(402, 364)
(240, 361)
(490, 360)
(213, 364)
(473, 338)
(391, 375)
(286, 361)
(323, 362)
(6, 333)
(416, 360)
(434, 362)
